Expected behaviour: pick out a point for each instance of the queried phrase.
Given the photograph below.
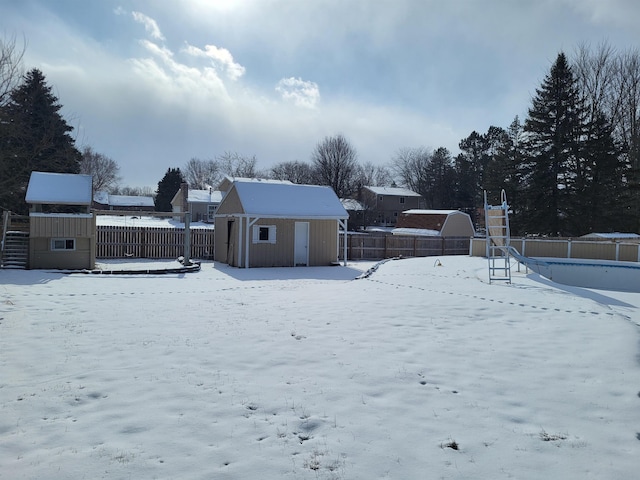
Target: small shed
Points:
(267, 224)
(443, 223)
(62, 231)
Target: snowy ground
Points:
(417, 371)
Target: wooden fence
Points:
(151, 242)
(604, 249)
(376, 247)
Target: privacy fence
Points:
(604, 249)
(375, 247)
(151, 242)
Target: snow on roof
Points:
(613, 235)
(150, 222)
(101, 197)
(204, 196)
(351, 204)
(416, 211)
(59, 188)
(130, 201)
(289, 200)
(422, 232)
(258, 180)
(397, 191)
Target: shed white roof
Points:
(289, 200)
(130, 201)
(59, 188)
(397, 191)
(613, 235)
(204, 196)
(416, 211)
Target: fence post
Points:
(569, 248)
(617, 251)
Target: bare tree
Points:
(11, 70)
(295, 172)
(202, 174)
(103, 169)
(410, 166)
(335, 163)
(236, 165)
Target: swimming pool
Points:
(600, 274)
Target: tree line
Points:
(572, 167)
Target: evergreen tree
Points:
(167, 189)
(33, 137)
(555, 133)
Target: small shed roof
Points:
(612, 235)
(59, 189)
(288, 200)
(396, 191)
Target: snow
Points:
(399, 191)
(306, 373)
(417, 211)
(204, 196)
(422, 232)
(149, 222)
(288, 200)
(59, 188)
(130, 201)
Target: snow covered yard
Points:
(417, 371)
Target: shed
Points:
(62, 231)
(444, 223)
(267, 224)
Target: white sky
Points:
(152, 84)
(305, 373)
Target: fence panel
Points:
(151, 242)
(377, 247)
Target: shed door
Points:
(301, 245)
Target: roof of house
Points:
(417, 211)
(395, 191)
(612, 235)
(204, 196)
(352, 205)
(59, 188)
(105, 198)
(288, 200)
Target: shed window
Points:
(63, 244)
(401, 199)
(264, 234)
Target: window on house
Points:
(211, 211)
(401, 199)
(63, 244)
(380, 197)
(264, 234)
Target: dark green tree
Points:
(556, 130)
(167, 188)
(33, 137)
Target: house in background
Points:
(356, 212)
(269, 224)
(61, 240)
(443, 223)
(384, 204)
(124, 203)
(202, 204)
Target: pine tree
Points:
(33, 137)
(167, 188)
(555, 133)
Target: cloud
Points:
(150, 25)
(220, 57)
(302, 93)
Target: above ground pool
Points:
(600, 274)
